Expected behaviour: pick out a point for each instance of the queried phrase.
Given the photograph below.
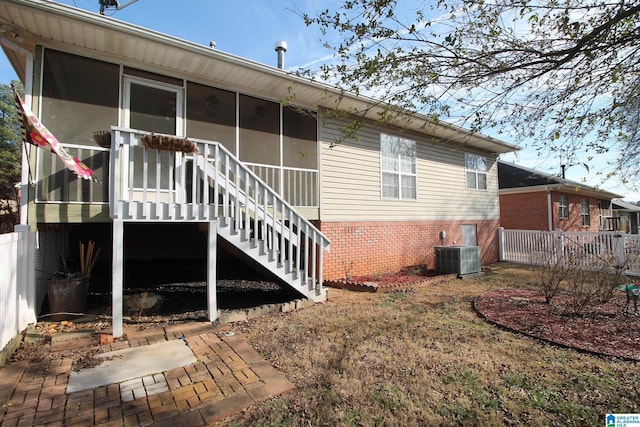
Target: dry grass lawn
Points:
(423, 358)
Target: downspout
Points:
(549, 210)
(28, 87)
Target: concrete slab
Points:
(130, 363)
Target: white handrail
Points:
(209, 184)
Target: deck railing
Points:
(298, 186)
(57, 184)
(584, 249)
(155, 185)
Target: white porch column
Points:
(212, 304)
(117, 274)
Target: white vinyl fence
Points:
(17, 283)
(586, 249)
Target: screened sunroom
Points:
(80, 96)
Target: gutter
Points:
(569, 188)
(28, 88)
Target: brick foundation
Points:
(378, 247)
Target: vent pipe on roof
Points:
(281, 48)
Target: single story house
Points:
(209, 155)
(533, 200)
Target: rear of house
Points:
(383, 212)
(263, 182)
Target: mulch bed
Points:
(604, 330)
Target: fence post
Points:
(500, 243)
(25, 284)
(618, 243)
(559, 246)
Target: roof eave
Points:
(320, 94)
(563, 188)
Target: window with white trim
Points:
(564, 206)
(586, 216)
(398, 167)
(476, 170)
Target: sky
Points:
(251, 28)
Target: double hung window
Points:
(564, 206)
(586, 217)
(398, 167)
(476, 170)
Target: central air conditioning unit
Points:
(462, 260)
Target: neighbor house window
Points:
(476, 168)
(586, 218)
(606, 221)
(564, 206)
(398, 167)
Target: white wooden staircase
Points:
(214, 186)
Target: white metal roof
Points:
(625, 206)
(30, 22)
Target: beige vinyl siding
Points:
(52, 213)
(350, 180)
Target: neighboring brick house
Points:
(533, 200)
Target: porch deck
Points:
(204, 184)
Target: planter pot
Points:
(102, 138)
(67, 296)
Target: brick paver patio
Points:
(228, 377)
